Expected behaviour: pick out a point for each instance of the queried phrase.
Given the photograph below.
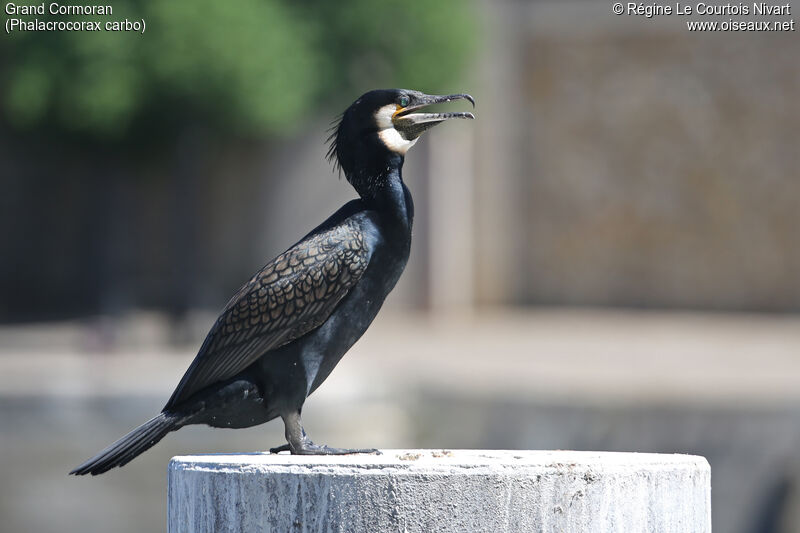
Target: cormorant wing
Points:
(293, 294)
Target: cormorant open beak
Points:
(411, 125)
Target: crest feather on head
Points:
(332, 156)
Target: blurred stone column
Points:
(500, 147)
(451, 183)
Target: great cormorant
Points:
(282, 333)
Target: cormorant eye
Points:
(404, 101)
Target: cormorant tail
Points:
(125, 449)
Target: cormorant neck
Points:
(381, 188)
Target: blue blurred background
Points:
(607, 258)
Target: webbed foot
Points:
(300, 444)
(309, 448)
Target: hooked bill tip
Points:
(463, 96)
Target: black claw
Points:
(281, 448)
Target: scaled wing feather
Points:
(292, 295)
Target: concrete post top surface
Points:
(434, 459)
(447, 491)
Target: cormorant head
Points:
(379, 128)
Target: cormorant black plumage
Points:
(285, 330)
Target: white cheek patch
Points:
(383, 116)
(394, 141)
(388, 134)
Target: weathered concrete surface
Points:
(442, 491)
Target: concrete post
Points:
(441, 491)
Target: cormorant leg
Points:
(281, 448)
(300, 444)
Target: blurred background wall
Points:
(605, 259)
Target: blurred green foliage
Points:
(256, 67)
